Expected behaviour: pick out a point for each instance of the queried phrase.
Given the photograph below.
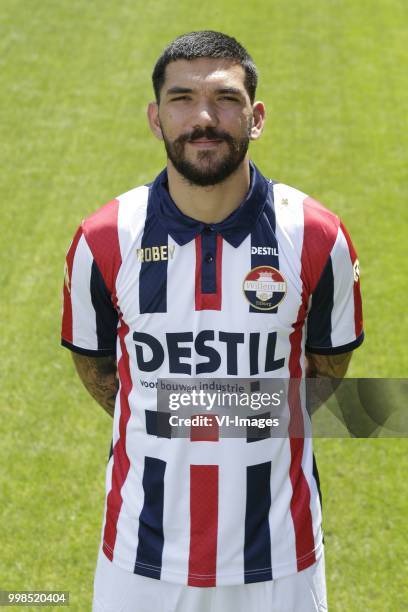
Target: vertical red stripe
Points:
(202, 566)
(199, 264)
(121, 461)
(320, 233)
(66, 331)
(101, 233)
(208, 301)
(358, 309)
(300, 501)
(205, 433)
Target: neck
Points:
(209, 204)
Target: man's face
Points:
(205, 118)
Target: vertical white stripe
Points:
(116, 416)
(342, 319)
(108, 486)
(136, 449)
(231, 510)
(131, 221)
(83, 312)
(236, 264)
(131, 217)
(283, 540)
(176, 512)
(128, 521)
(315, 507)
(288, 205)
(180, 284)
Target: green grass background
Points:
(75, 81)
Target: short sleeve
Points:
(89, 320)
(334, 322)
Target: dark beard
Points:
(213, 172)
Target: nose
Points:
(205, 115)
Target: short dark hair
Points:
(205, 43)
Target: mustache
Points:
(209, 133)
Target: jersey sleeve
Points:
(334, 322)
(89, 320)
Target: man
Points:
(210, 271)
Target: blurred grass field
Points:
(75, 79)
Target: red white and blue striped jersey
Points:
(173, 297)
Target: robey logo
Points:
(156, 253)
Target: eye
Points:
(229, 98)
(180, 98)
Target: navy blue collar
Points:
(235, 228)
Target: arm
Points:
(89, 322)
(329, 371)
(355, 414)
(334, 326)
(332, 366)
(99, 376)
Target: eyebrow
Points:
(230, 90)
(178, 90)
(187, 90)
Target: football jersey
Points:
(173, 297)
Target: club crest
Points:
(264, 287)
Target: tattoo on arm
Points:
(328, 370)
(99, 376)
(332, 366)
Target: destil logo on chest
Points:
(209, 351)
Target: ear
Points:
(259, 115)
(153, 119)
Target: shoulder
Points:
(118, 214)
(112, 228)
(313, 227)
(295, 206)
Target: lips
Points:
(205, 143)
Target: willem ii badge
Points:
(264, 287)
